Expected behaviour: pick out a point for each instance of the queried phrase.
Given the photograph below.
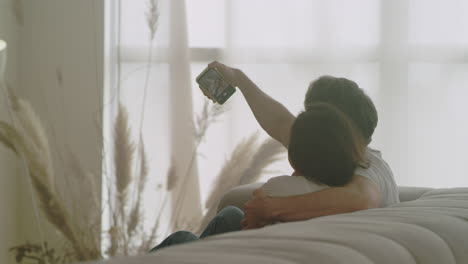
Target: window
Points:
(409, 56)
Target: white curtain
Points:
(410, 56)
(163, 114)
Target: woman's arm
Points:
(360, 194)
(272, 116)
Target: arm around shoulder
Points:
(360, 194)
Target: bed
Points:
(428, 226)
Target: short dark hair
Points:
(325, 146)
(349, 98)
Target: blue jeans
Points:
(227, 220)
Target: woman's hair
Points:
(324, 146)
(349, 98)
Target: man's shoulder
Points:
(374, 153)
(376, 165)
(375, 159)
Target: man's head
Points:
(347, 97)
(325, 146)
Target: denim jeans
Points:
(227, 220)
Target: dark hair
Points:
(349, 98)
(324, 145)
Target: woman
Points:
(325, 149)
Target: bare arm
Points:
(272, 116)
(360, 194)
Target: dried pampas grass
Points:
(233, 169)
(134, 220)
(123, 154)
(127, 235)
(135, 213)
(28, 139)
(209, 115)
(270, 151)
(58, 216)
(143, 168)
(89, 197)
(152, 17)
(33, 136)
(171, 176)
(8, 136)
(245, 166)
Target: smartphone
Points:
(213, 83)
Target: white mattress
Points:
(431, 229)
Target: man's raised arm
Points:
(272, 116)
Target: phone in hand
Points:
(212, 82)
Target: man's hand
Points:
(257, 211)
(231, 75)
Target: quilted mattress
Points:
(430, 229)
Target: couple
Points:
(334, 170)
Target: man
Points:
(370, 188)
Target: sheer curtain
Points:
(153, 81)
(411, 57)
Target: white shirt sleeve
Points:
(290, 185)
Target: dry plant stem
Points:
(24, 117)
(29, 125)
(30, 142)
(124, 150)
(181, 198)
(269, 152)
(12, 102)
(4, 136)
(152, 20)
(143, 106)
(79, 174)
(242, 168)
(113, 238)
(57, 215)
(171, 176)
(142, 114)
(207, 117)
(152, 17)
(52, 207)
(230, 174)
(150, 241)
(135, 214)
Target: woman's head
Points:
(324, 146)
(349, 98)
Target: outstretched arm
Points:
(272, 116)
(360, 194)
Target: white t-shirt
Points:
(290, 185)
(378, 172)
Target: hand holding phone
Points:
(214, 85)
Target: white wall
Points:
(59, 70)
(8, 164)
